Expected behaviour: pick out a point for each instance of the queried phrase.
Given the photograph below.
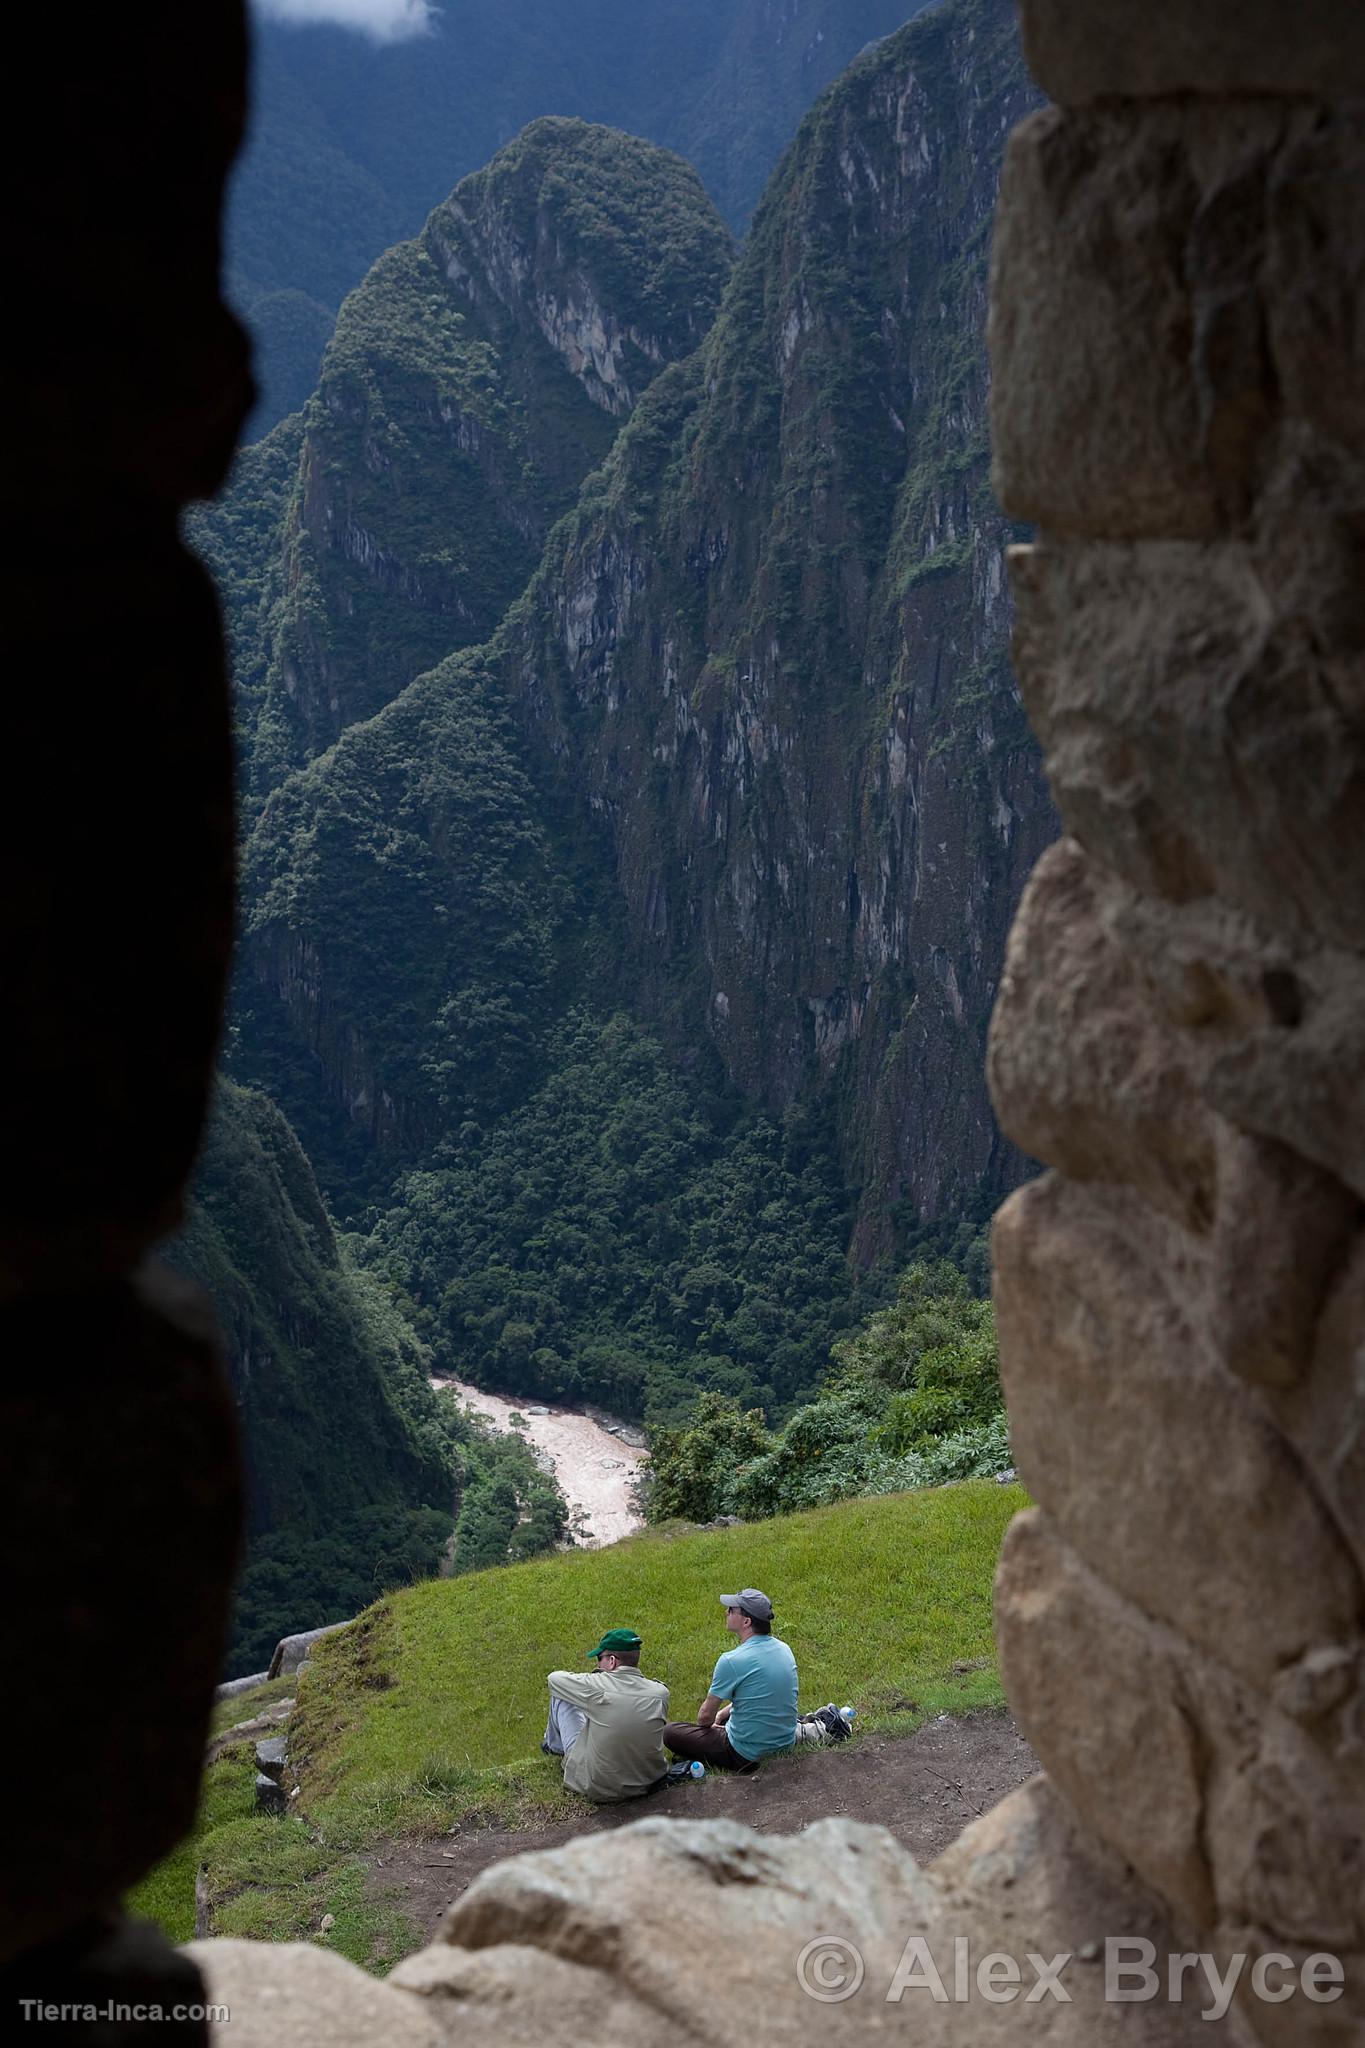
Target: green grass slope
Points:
(430, 1711)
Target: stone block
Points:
(270, 1794)
(271, 1755)
(1232, 1811)
(292, 1652)
(1155, 1463)
(119, 1546)
(1324, 1415)
(1314, 279)
(290, 1994)
(1085, 1070)
(1282, 1026)
(1195, 741)
(1094, 416)
(1083, 50)
(1282, 1229)
(1304, 1083)
(1175, 295)
(665, 1930)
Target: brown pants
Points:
(711, 1745)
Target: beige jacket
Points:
(621, 1752)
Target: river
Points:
(593, 1468)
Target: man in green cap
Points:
(608, 1724)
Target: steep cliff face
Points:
(766, 740)
(770, 651)
(352, 145)
(473, 379)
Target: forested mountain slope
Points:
(750, 741)
(474, 378)
(356, 1470)
(351, 145)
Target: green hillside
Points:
(429, 1712)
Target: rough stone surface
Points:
(289, 1994)
(1284, 1227)
(1160, 1468)
(1084, 1067)
(667, 1929)
(1155, 276)
(291, 1652)
(271, 1752)
(1192, 732)
(120, 1516)
(1323, 1415)
(1134, 48)
(1179, 403)
(236, 1685)
(1260, 1818)
(1282, 1029)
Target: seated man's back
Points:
(759, 1677)
(620, 1752)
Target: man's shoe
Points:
(546, 1750)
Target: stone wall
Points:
(1178, 341)
(118, 1478)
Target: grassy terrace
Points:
(429, 1712)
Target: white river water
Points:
(593, 1468)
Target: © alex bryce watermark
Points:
(831, 1969)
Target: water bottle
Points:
(847, 1713)
(698, 1767)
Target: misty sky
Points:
(386, 21)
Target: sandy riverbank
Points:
(594, 1469)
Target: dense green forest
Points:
(628, 1235)
(910, 1398)
(359, 1476)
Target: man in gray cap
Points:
(750, 1710)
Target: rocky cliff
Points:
(352, 145)
(769, 653)
(767, 770)
(473, 379)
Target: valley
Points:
(634, 796)
(594, 1468)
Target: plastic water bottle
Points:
(847, 1713)
(698, 1767)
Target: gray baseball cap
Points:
(756, 1605)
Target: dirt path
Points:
(925, 1787)
(594, 1469)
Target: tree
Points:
(691, 1468)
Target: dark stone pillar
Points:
(119, 1480)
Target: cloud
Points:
(385, 21)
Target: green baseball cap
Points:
(616, 1639)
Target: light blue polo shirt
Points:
(760, 1678)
